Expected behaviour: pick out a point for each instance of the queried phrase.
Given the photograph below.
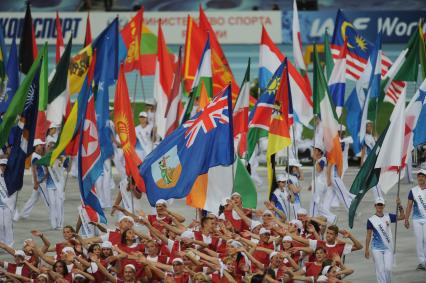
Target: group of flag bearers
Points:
(159, 153)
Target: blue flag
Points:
(110, 51)
(420, 129)
(12, 73)
(22, 145)
(202, 142)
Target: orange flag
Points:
(204, 98)
(131, 34)
(123, 121)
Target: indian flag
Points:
(324, 109)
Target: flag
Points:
(3, 59)
(241, 111)
(88, 35)
(367, 177)
(204, 98)
(17, 105)
(79, 66)
(174, 106)
(27, 45)
(220, 182)
(90, 165)
(221, 71)
(110, 51)
(329, 122)
(419, 137)
(123, 121)
(298, 50)
(358, 47)
(188, 108)
(329, 62)
(60, 46)
(148, 55)
(131, 34)
(204, 72)
(58, 92)
(41, 128)
(12, 78)
(260, 115)
(301, 95)
(337, 81)
(194, 46)
(279, 129)
(22, 145)
(170, 170)
(162, 84)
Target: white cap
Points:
(322, 278)
(50, 139)
(264, 231)
(302, 211)
(19, 253)
(38, 142)
(224, 201)
(161, 201)
(320, 146)
(43, 275)
(187, 234)
(379, 200)
(106, 245)
(271, 255)
(54, 125)
(178, 259)
(143, 114)
(68, 250)
(368, 122)
(342, 128)
(78, 275)
(149, 101)
(267, 211)
(294, 162)
(296, 222)
(421, 171)
(131, 266)
(235, 244)
(282, 178)
(3, 161)
(126, 217)
(235, 194)
(111, 108)
(287, 239)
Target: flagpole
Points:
(313, 160)
(134, 108)
(294, 142)
(397, 206)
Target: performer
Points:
(55, 184)
(284, 196)
(6, 222)
(378, 229)
(39, 181)
(296, 175)
(417, 204)
(345, 143)
(144, 134)
(369, 141)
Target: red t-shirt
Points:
(312, 269)
(340, 249)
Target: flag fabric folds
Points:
(329, 122)
(60, 46)
(170, 170)
(27, 45)
(337, 81)
(41, 128)
(12, 78)
(125, 128)
(131, 34)
(419, 137)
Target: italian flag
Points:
(162, 83)
(324, 109)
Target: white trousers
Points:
(56, 208)
(321, 202)
(383, 261)
(104, 184)
(6, 225)
(341, 192)
(419, 227)
(120, 163)
(31, 202)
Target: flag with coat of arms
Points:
(203, 142)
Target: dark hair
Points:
(69, 227)
(204, 220)
(64, 265)
(326, 263)
(258, 278)
(334, 228)
(123, 236)
(316, 226)
(92, 248)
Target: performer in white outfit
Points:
(118, 156)
(345, 143)
(128, 198)
(284, 196)
(39, 181)
(417, 204)
(379, 234)
(336, 190)
(144, 134)
(55, 184)
(296, 175)
(6, 209)
(369, 141)
(319, 186)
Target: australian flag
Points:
(202, 142)
(90, 165)
(359, 48)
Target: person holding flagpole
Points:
(144, 134)
(379, 234)
(6, 222)
(369, 141)
(417, 204)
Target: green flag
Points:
(367, 177)
(329, 63)
(17, 104)
(243, 184)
